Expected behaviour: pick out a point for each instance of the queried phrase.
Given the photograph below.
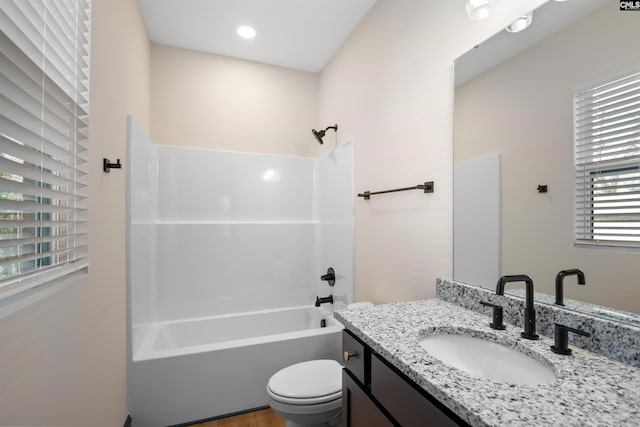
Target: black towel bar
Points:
(427, 187)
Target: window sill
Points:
(11, 304)
(606, 247)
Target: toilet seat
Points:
(307, 383)
(306, 402)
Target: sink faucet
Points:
(560, 279)
(324, 300)
(529, 311)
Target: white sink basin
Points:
(486, 359)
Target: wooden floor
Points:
(262, 418)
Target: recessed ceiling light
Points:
(246, 32)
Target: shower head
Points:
(319, 134)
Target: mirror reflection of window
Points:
(607, 161)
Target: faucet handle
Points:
(561, 338)
(330, 277)
(497, 316)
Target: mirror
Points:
(513, 132)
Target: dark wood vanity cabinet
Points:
(358, 410)
(376, 394)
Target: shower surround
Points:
(214, 233)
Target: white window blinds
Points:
(607, 162)
(44, 114)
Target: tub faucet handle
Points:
(330, 277)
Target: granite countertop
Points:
(590, 390)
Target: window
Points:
(44, 114)
(607, 162)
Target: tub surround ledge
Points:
(590, 390)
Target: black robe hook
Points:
(107, 165)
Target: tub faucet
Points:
(560, 279)
(529, 311)
(324, 300)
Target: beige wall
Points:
(209, 101)
(63, 359)
(534, 133)
(390, 89)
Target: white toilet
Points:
(308, 394)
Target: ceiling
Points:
(547, 19)
(298, 34)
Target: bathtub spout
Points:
(324, 300)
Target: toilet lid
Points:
(306, 380)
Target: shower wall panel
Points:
(207, 185)
(214, 232)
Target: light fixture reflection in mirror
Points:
(478, 9)
(521, 23)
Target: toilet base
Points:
(325, 415)
(334, 422)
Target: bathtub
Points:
(196, 369)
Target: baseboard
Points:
(127, 422)
(233, 414)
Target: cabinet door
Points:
(357, 409)
(355, 357)
(409, 407)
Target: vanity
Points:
(390, 379)
(376, 393)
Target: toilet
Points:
(309, 394)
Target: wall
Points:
(389, 88)
(535, 138)
(209, 101)
(64, 357)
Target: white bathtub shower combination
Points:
(225, 256)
